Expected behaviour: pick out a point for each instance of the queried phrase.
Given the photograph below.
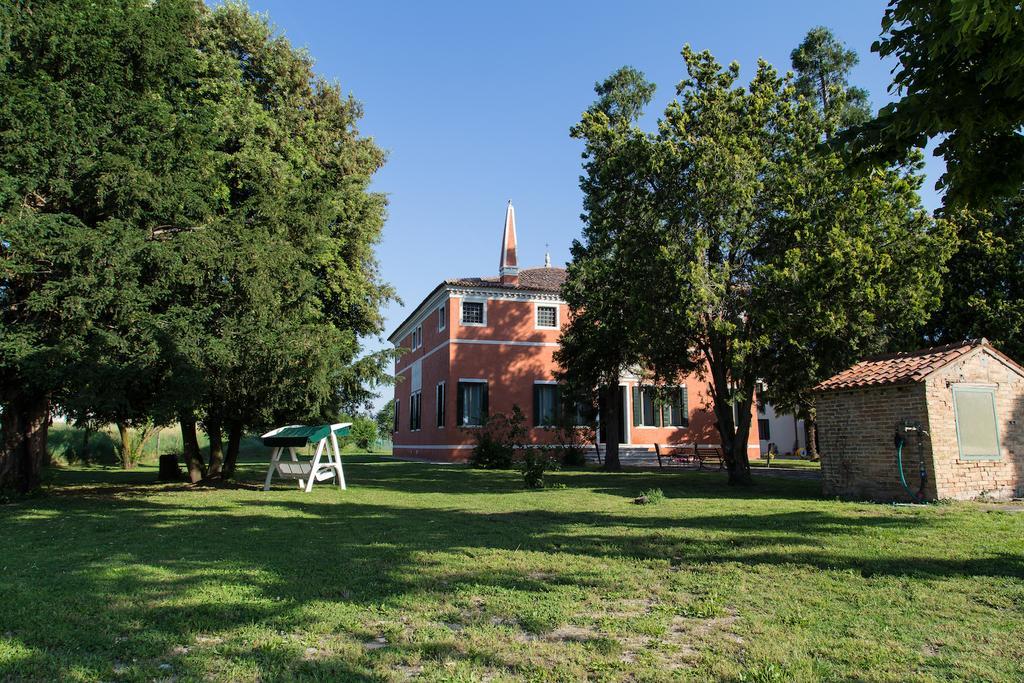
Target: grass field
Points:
(447, 573)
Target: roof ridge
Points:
(904, 367)
(892, 355)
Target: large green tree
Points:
(186, 227)
(287, 285)
(93, 155)
(779, 264)
(960, 80)
(596, 343)
(983, 291)
(745, 252)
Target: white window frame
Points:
(442, 316)
(546, 382)
(458, 418)
(472, 300)
(536, 315)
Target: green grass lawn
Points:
(447, 573)
(787, 463)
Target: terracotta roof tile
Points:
(547, 279)
(906, 367)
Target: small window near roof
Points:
(977, 429)
(547, 316)
(472, 312)
(441, 317)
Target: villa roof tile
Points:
(905, 367)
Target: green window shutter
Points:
(483, 404)
(666, 414)
(460, 400)
(558, 405)
(636, 406)
(536, 405)
(439, 395)
(684, 407)
(394, 427)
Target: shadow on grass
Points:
(91, 570)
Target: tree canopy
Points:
(983, 291)
(822, 65)
(960, 81)
(186, 229)
(745, 252)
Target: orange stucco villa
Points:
(479, 345)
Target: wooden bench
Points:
(710, 454)
(676, 454)
(690, 453)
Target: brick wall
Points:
(857, 427)
(965, 479)
(856, 430)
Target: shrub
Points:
(574, 456)
(650, 497)
(537, 461)
(498, 439)
(572, 444)
(363, 433)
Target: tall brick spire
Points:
(509, 269)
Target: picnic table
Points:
(320, 468)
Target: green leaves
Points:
(185, 221)
(731, 243)
(960, 79)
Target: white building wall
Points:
(785, 431)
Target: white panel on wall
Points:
(417, 375)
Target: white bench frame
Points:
(318, 469)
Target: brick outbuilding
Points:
(958, 408)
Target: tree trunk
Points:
(127, 457)
(234, 441)
(733, 435)
(610, 419)
(213, 429)
(86, 433)
(25, 425)
(811, 435)
(740, 473)
(190, 448)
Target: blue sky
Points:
(474, 101)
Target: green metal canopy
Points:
(295, 436)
